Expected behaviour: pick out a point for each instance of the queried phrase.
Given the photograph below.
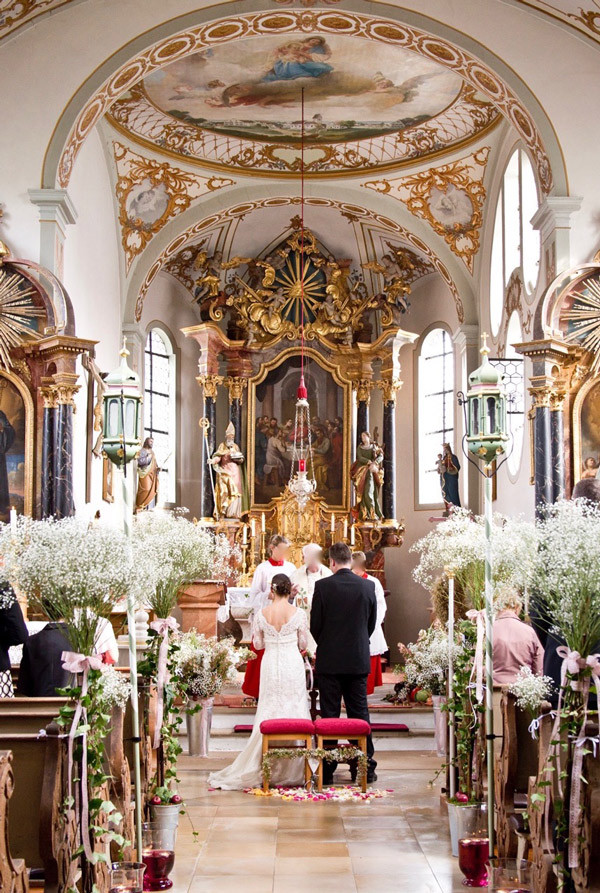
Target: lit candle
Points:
(345, 528)
(244, 534)
(252, 527)
(352, 535)
(263, 525)
(13, 520)
(332, 523)
(301, 464)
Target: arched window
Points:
(159, 408)
(436, 410)
(515, 243)
(515, 389)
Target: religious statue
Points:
(148, 472)
(208, 283)
(367, 476)
(448, 467)
(230, 479)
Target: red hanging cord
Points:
(302, 391)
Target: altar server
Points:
(377, 643)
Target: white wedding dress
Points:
(282, 695)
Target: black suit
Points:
(41, 672)
(342, 618)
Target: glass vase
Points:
(511, 876)
(126, 877)
(473, 858)
(158, 855)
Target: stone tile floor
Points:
(260, 845)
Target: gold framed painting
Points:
(272, 402)
(16, 446)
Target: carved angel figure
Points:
(208, 283)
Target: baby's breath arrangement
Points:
(114, 690)
(203, 665)
(69, 570)
(531, 690)
(170, 551)
(426, 660)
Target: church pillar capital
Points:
(553, 221)
(389, 387)
(210, 385)
(235, 385)
(136, 345)
(363, 388)
(56, 211)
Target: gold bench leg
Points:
(265, 748)
(362, 743)
(307, 769)
(320, 769)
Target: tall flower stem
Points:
(135, 719)
(489, 666)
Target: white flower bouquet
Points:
(170, 551)
(114, 689)
(69, 570)
(531, 690)
(202, 665)
(426, 660)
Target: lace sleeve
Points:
(302, 630)
(258, 635)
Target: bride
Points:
(282, 630)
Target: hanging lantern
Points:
(486, 411)
(300, 484)
(122, 412)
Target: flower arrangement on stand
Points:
(202, 665)
(170, 552)
(567, 598)
(458, 546)
(77, 573)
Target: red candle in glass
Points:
(473, 857)
(301, 464)
(159, 864)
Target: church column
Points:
(388, 389)
(48, 437)
(56, 213)
(553, 220)
(363, 388)
(557, 437)
(208, 424)
(235, 385)
(542, 447)
(58, 393)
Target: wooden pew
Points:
(28, 715)
(517, 762)
(544, 878)
(13, 874)
(39, 833)
(119, 787)
(586, 877)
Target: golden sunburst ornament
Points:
(17, 311)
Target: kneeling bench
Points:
(333, 729)
(275, 731)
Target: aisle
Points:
(253, 845)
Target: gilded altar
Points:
(256, 315)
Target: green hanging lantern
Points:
(122, 412)
(486, 411)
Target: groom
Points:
(342, 618)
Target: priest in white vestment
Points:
(304, 579)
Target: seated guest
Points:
(41, 672)
(304, 579)
(377, 643)
(12, 632)
(516, 643)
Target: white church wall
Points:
(91, 277)
(408, 603)
(169, 304)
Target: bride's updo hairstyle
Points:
(281, 585)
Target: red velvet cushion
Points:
(283, 726)
(343, 728)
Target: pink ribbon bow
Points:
(74, 662)
(478, 617)
(162, 626)
(572, 663)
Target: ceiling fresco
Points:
(252, 89)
